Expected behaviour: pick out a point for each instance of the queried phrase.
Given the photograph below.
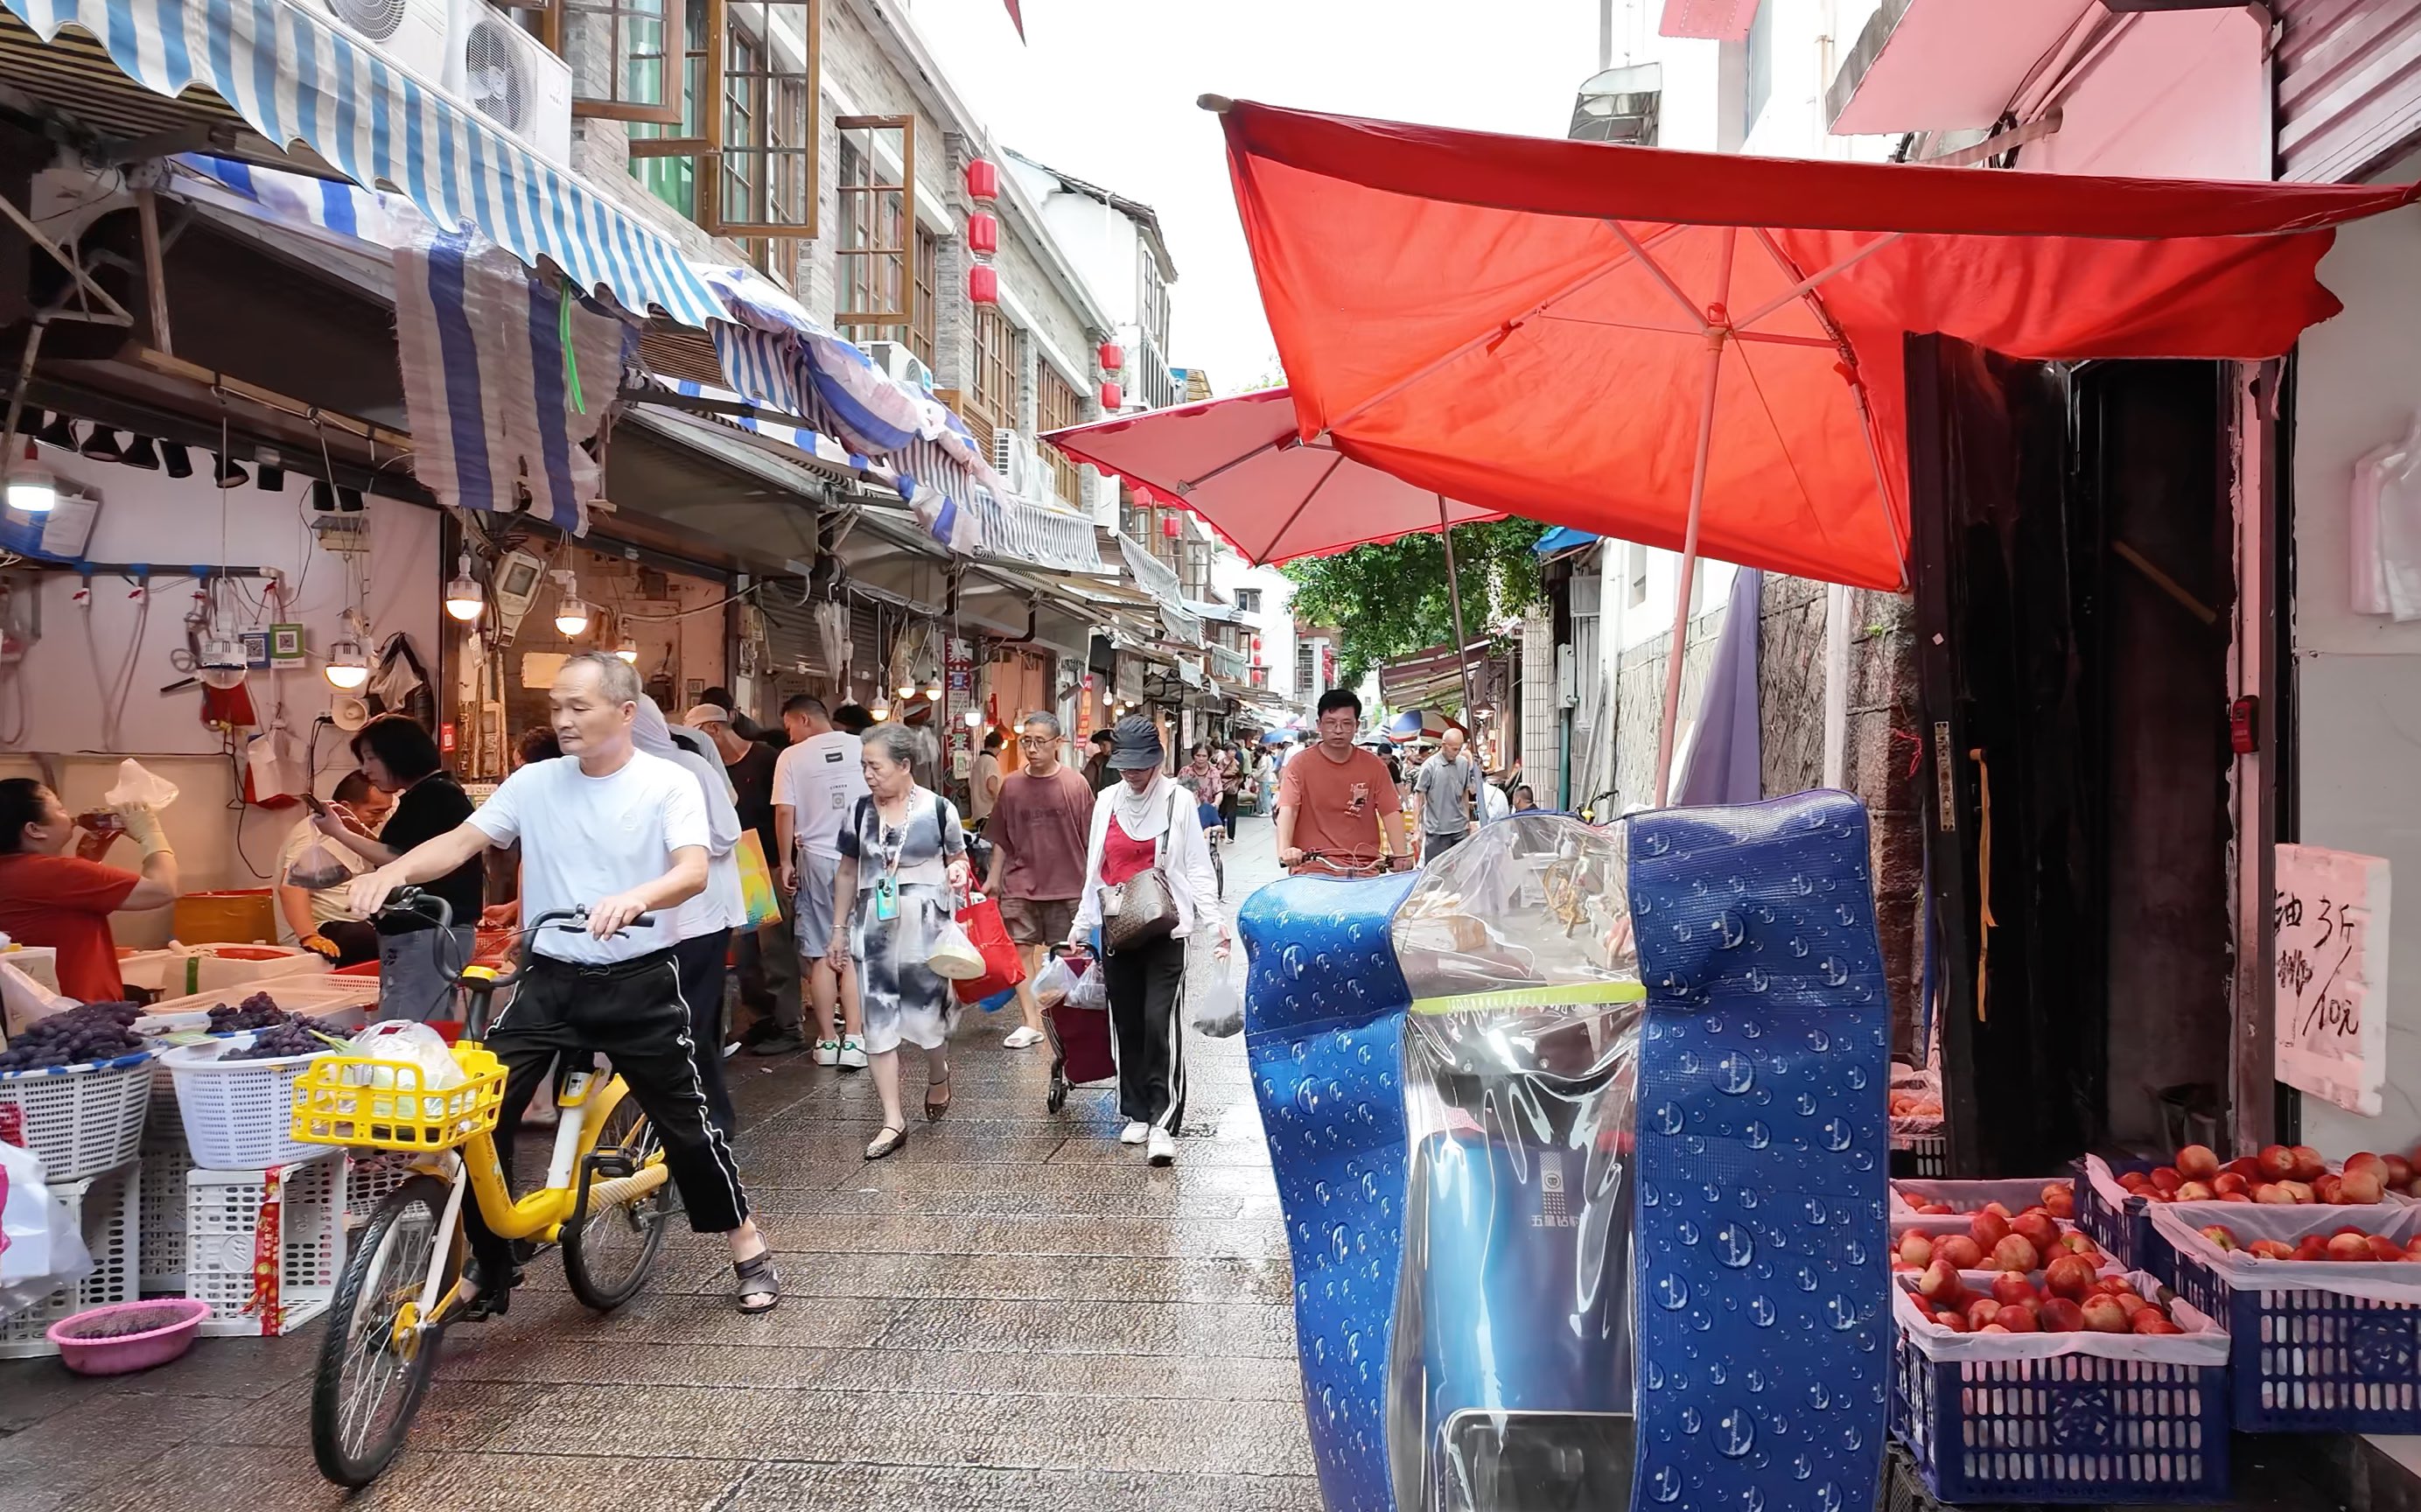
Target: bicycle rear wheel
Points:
(610, 1249)
(375, 1359)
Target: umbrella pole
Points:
(1462, 641)
(1689, 573)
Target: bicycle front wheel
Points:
(376, 1358)
(610, 1248)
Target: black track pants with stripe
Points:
(633, 1012)
(1146, 988)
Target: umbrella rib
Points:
(1430, 369)
(1783, 442)
(1335, 460)
(1806, 286)
(1186, 486)
(1698, 317)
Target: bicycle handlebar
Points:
(418, 900)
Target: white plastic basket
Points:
(238, 1114)
(370, 1176)
(82, 1120)
(162, 1207)
(222, 1239)
(105, 1209)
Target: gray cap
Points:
(1136, 745)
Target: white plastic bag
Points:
(22, 1000)
(414, 1043)
(1090, 991)
(955, 957)
(318, 868)
(41, 1247)
(138, 784)
(1219, 1012)
(1054, 982)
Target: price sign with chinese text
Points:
(2331, 989)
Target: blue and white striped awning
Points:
(296, 77)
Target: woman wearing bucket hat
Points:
(1146, 824)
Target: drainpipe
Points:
(1837, 685)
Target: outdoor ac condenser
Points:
(416, 35)
(510, 76)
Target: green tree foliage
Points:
(1391, 600)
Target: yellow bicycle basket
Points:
(366, 1103)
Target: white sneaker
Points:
(827, 1052)
(853, 1054)
(1133, 1133)
(1163, 1148)
(1021, 1036)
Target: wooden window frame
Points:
(863, 264)
(1056, 406)
(710, 143)
(925, 330)
(673, 19)
(999, 411)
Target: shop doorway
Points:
(2074, 585)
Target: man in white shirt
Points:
(623, 834)
(817, 784)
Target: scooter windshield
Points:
(1510, 1360)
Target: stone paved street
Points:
(1013, 1313)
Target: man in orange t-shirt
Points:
(1337, 801)
(49, 898)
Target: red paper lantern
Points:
(1171, 526)
(983, 233)
(1113, 356)
(1113, 397)
(983, 284)
(983, 181)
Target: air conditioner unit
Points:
(508, 76)
(1015, 459)
(414, 34)
(904, 366)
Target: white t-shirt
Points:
(327, 903)
(724, 905)
(585, 838)
(822, 777)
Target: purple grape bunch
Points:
(292, 1037)
(258, 1011)
(79, 1037)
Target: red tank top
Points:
(1123, 858)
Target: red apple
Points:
(2222, 1235)
(2273, 1193)
(1961, 1253)
(1998, 1210)
(2038, 1229)
(2102, 1315)
(2166, 1178)
(1939, 1282)
(1987, 1228)
(2069, 1276)
(2018, 1320)
(2385, 1249)
(1955, 1322)
(2015, 1253)
(2277, 1163)
(2350, 1247)
(2012, 1286)
(1915, 1250)
(2399, 1170)
(2197, 1162)
(2300, 1191)
(2151, 1324)
(2366, 1161)
(2234, 1197)
(2061, 1316)
(1981, 1310)
(2361, 1187)
(2269, 1249)
(2228, 1181)
(2195, 1191)
(2309, 1163)
(2311, 1247)
(2329, 1189)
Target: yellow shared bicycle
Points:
(605, 1200)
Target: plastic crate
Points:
(238, 1114)
(105, 1209)
(2070, 1429)
(2122, 1227)
(370, 1176)
(1921, 1157)
(222, 1229)
(2311, 1360)
(82, 1120)
(161, 1208)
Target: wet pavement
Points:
(1013, 1313)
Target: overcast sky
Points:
(1104, 90)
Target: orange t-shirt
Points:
(1337, 804)
(65, 902)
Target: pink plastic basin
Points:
(172, 1335)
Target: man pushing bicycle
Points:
(623, 834)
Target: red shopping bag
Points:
(989, 934)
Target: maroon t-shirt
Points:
(1045, 825)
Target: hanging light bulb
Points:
(628, 650)
(464, 598)
(347, 666)
(571, 618)
(881, 709)
(908, 690)
(974, 719)
(933, 686)
(31, 489)
(222, 663)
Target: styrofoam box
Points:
(343, 1001)
(222, 1218)
(177, 972)
(105, 1207)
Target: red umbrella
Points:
(1704, 353)
(1242, 465)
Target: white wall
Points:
(2358, 677)
(1274, 624)
(53, 703)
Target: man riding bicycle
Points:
(623, 833)
(1339, 809)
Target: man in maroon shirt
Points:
(1039, 829)
(49, 898)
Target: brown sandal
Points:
(757, 1279)
(934, 1110)
(886, 1142)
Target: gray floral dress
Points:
(903, 999)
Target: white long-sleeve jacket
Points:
(1184, 856)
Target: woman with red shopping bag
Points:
(989, 933)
